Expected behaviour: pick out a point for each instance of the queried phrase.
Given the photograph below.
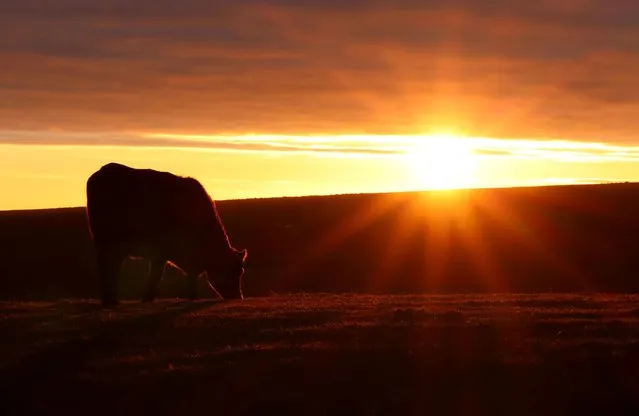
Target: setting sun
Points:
(442, 162)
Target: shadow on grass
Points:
(316, 379)
(348, 355)
(62, 362)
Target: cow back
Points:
(125, 203)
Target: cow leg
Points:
(192, 278)
(109, 263)
(157, 270)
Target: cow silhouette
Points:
(162, 217)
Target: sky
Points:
(297, 97)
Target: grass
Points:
(518, 240)
(324, 354)
(321, 353)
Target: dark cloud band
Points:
(490, 68)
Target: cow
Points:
(164, 218)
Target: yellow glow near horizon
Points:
(51, 172)
(442, 161)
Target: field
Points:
(325, 354)
(519, 240)
(511, 301)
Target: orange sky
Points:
(41, 175)
(180, 85)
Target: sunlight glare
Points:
(442, 161)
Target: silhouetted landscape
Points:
(539, 239)
(485, 301)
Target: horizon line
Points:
(381, 193)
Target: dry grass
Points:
(324, 354)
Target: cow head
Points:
(226, 277)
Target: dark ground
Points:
(539, 239)
(369, 352)
(325, 354)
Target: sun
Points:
(442, 161)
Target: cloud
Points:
(252, 144)
(491, 68)
(346, 145)
(560, 150)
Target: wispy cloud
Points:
(273, 144)
(338, 145)
(561, 150)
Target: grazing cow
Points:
(163, 218)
